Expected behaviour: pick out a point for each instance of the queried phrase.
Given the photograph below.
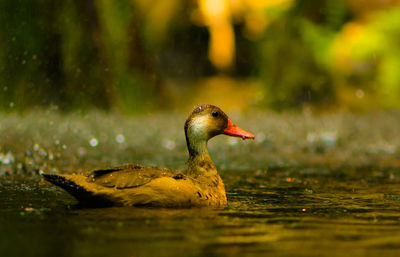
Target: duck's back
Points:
(129, 176)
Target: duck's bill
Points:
(235, 131)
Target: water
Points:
(282, 212)
(327, 209)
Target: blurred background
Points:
(89, 84)
(134, 56)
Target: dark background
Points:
(137, 56)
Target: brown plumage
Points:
(135, 185)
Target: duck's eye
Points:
(215, 114)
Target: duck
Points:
(136, 185)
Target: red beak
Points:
(235, 131)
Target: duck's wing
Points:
(130, 175)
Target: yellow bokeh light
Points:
(220, 15)
(216, 16)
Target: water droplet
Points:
(360, 93)
(6, 158)
(260, 137)
(311, 137)
(93, 142)
(168, 144)
(29, 209)
(120, 138)
(329, 137)
(42, 152)
(232, 141)
(81, 151)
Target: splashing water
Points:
(94, 142)
(120, 138)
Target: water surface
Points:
(283, 212)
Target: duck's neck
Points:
(199, 163)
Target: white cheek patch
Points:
(198, 126)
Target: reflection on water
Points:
(280, 213)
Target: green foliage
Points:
(84, 66)
(375, 58)
(119, 55)
(295, 65)
(73, 54)
(29, 63)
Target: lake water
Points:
(282, 212)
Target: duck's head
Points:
(207, 121)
